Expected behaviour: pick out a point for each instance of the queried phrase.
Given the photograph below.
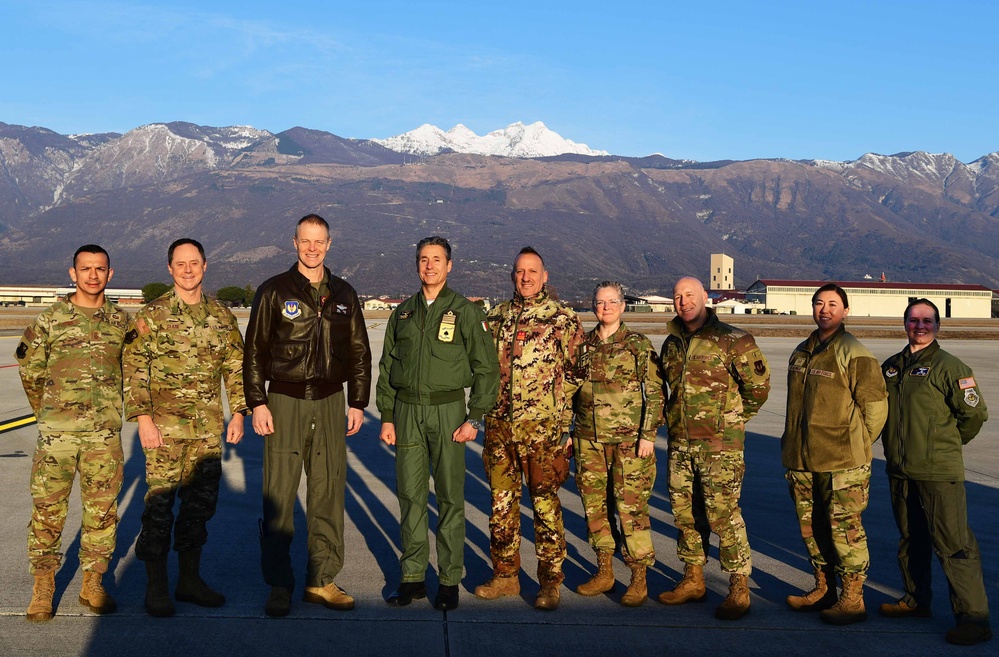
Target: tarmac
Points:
(478, 628)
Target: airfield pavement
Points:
(581, 626)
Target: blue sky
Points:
(706, 81)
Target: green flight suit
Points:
(431, 354)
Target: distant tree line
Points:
(230, 295)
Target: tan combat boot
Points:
(638, 591)
(498, 587)
(93, 595)
(40, 607)
(690, 589)
(821, 597)
(548, 597)
(736, 605)
(850, 606)
(603, 581)
(330, 596)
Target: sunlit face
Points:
(690, 300)
(529, 275)
(921, 326)
(312, 241)
(829, 312)
(91, 273)
(187, 268)
(608, 306)
(433, 265)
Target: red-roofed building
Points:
(874, 298)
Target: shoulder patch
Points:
(759, 367)
(967, 382)
(131, 336)
(971, 397)
(142, 327)
(22, 350)
(29, 334)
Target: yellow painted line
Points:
(17, 423)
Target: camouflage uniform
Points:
(172, 373)
(537, 341)
(70, 367)
(620, 402)
(836, 408)
(718, 379)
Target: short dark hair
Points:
(922, 302)
(91, 248)
(313, 219)
(434, 240)
(530, 250)
(181, 242)
(832, 287)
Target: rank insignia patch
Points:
(446, 331)
(292, 309)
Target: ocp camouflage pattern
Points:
(70, 367)
(621, 395)
(718, 379)
(174, 366)
(849, 494)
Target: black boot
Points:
(158, 602)
(190, 586)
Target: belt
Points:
(430, 398)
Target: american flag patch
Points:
(967, 382)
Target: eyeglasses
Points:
(613, 303)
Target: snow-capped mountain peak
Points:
(515, 140)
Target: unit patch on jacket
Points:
(446, 331)
(891, 372)
(971, 397)
(920, 371)
(292, 309)
(405, 314)
(341, 309)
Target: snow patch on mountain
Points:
(515, 140)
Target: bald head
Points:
(690, 300)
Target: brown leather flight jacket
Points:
(304, 350)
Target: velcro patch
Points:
(22, 350)
(967, 382)
(920, 371)
(971, 397)
(142, 327)
(131, 336)
(824, 373)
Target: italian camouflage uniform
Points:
(836, 408)
(70, 366)
(718, 379)
(537, 341)
(172, 373)
(619, 403)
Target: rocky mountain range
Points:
(917, 217)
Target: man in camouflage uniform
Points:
(187, 344)
(618, 408)
(718, 379)
(70, 366)
(537, 338)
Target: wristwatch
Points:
(475, 423)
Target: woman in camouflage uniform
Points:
(617, 411)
